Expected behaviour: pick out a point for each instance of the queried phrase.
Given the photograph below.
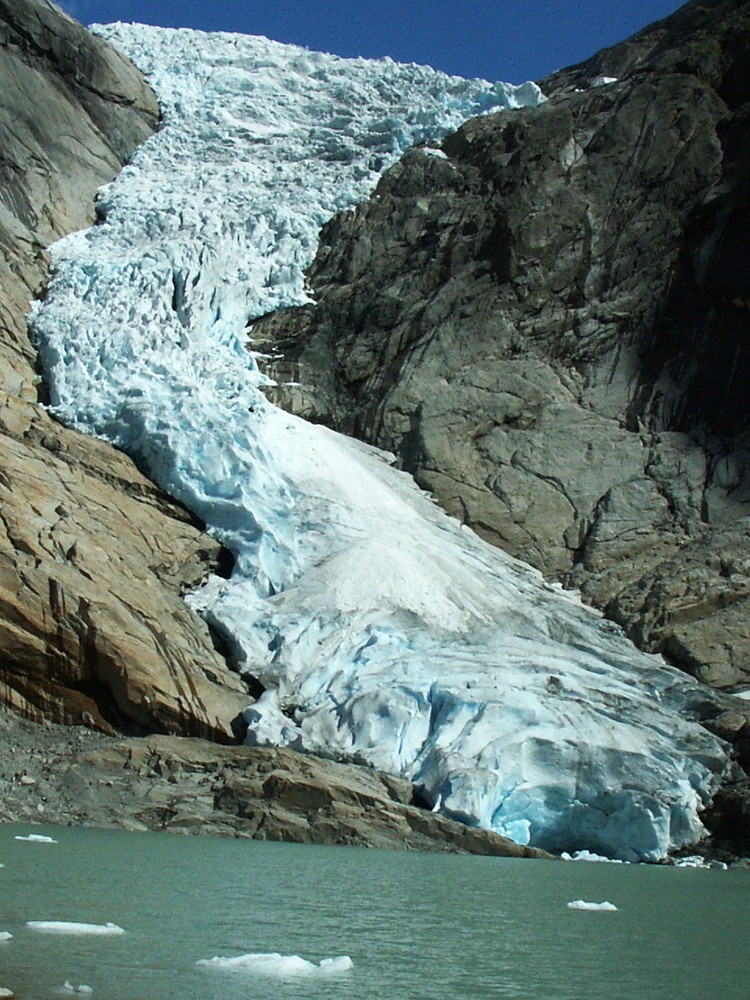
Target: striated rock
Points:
(192, 786)
(73, 110)
(548, 326)
(93, 558)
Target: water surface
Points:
(415, 925)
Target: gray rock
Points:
(191, 786)
(549, 330)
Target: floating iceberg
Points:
(68, 987)
(580, 904)
(280, 966)
(37, 838)
(5, 936)
(72, 927)
(589, 856)
(381, 629)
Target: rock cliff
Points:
(547, 322)
(93, 558)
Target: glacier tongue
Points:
(380, 628)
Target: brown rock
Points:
(93, 558)
(191, 786)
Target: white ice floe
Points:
(381, 628)
(5, 935)
(280, 966)
(589, 856)
(72, 927)
(67, 987)
(581, 904)
(38, 838)
(698, 861)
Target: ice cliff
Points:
(380, 628)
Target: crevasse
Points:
(381, 628)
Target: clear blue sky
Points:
(512, 40)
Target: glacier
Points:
(382, 630)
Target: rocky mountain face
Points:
(93, 558)
(546, 321)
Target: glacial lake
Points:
(416, 926)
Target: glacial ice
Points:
(73, 927)
(37, 838)
(280, 966)
(382, 630)
(581, 904)
(5, 936)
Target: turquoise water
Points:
(415, 925)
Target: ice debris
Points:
(68, 987)
(380, 628)
(698, 861)
(37, 838)
(280, 966)
(581, 904)
(589, 856)
(5, 936)
(72, 927)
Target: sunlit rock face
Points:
(93, 557)
(381, 629)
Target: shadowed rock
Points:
(549, 328)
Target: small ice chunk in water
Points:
(280, 966)
(68, 987)
(581, 904)
(590, 856)
(5, 935)
(38, 838)
(72, 927)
